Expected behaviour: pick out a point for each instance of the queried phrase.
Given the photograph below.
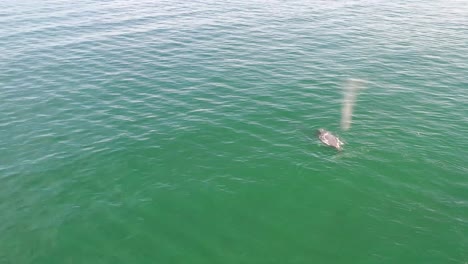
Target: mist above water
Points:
(351, 89)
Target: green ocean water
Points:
(184, 132)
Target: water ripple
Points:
(195, 122)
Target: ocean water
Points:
(184, 132)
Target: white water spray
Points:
(350, 92)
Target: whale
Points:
(329, 139)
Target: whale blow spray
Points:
(350, 92)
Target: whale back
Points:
(329, 139)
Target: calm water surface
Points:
(183, 132)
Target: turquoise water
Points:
(183, 132)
